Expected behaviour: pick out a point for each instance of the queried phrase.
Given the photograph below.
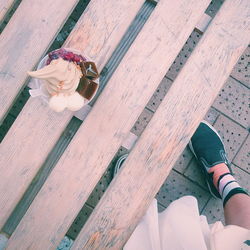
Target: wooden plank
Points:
(41, 176)
(170, 129)
(18, 170)
(97, 33)
(106, 126)
(23, 42)
(129, 141)
(5, 5)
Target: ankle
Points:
(219, 171)
(224, 182)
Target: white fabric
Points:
(181, 227)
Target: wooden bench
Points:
(77, 167)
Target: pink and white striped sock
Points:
(225, 182)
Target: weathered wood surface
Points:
(5, 5)
(170, 129)
(24, 40)
(20, 160)
(109, 122)
(37, 128)
(129, 141)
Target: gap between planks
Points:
(5, 7)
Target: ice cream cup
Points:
(40, 83)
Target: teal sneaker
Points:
(209, 150)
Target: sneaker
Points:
(208, 148)
(119, 163)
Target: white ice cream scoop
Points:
(73, 102)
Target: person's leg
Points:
(209, 150)
(237, 211)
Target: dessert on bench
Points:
(67, 79)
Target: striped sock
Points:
(225, 182)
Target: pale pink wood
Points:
(108, 123)
(129, 141)
(20, 158)
(101, 28)
(24, 40)
(31, 137)
(170, 129)
(4, 7)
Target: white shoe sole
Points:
(119, 163)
